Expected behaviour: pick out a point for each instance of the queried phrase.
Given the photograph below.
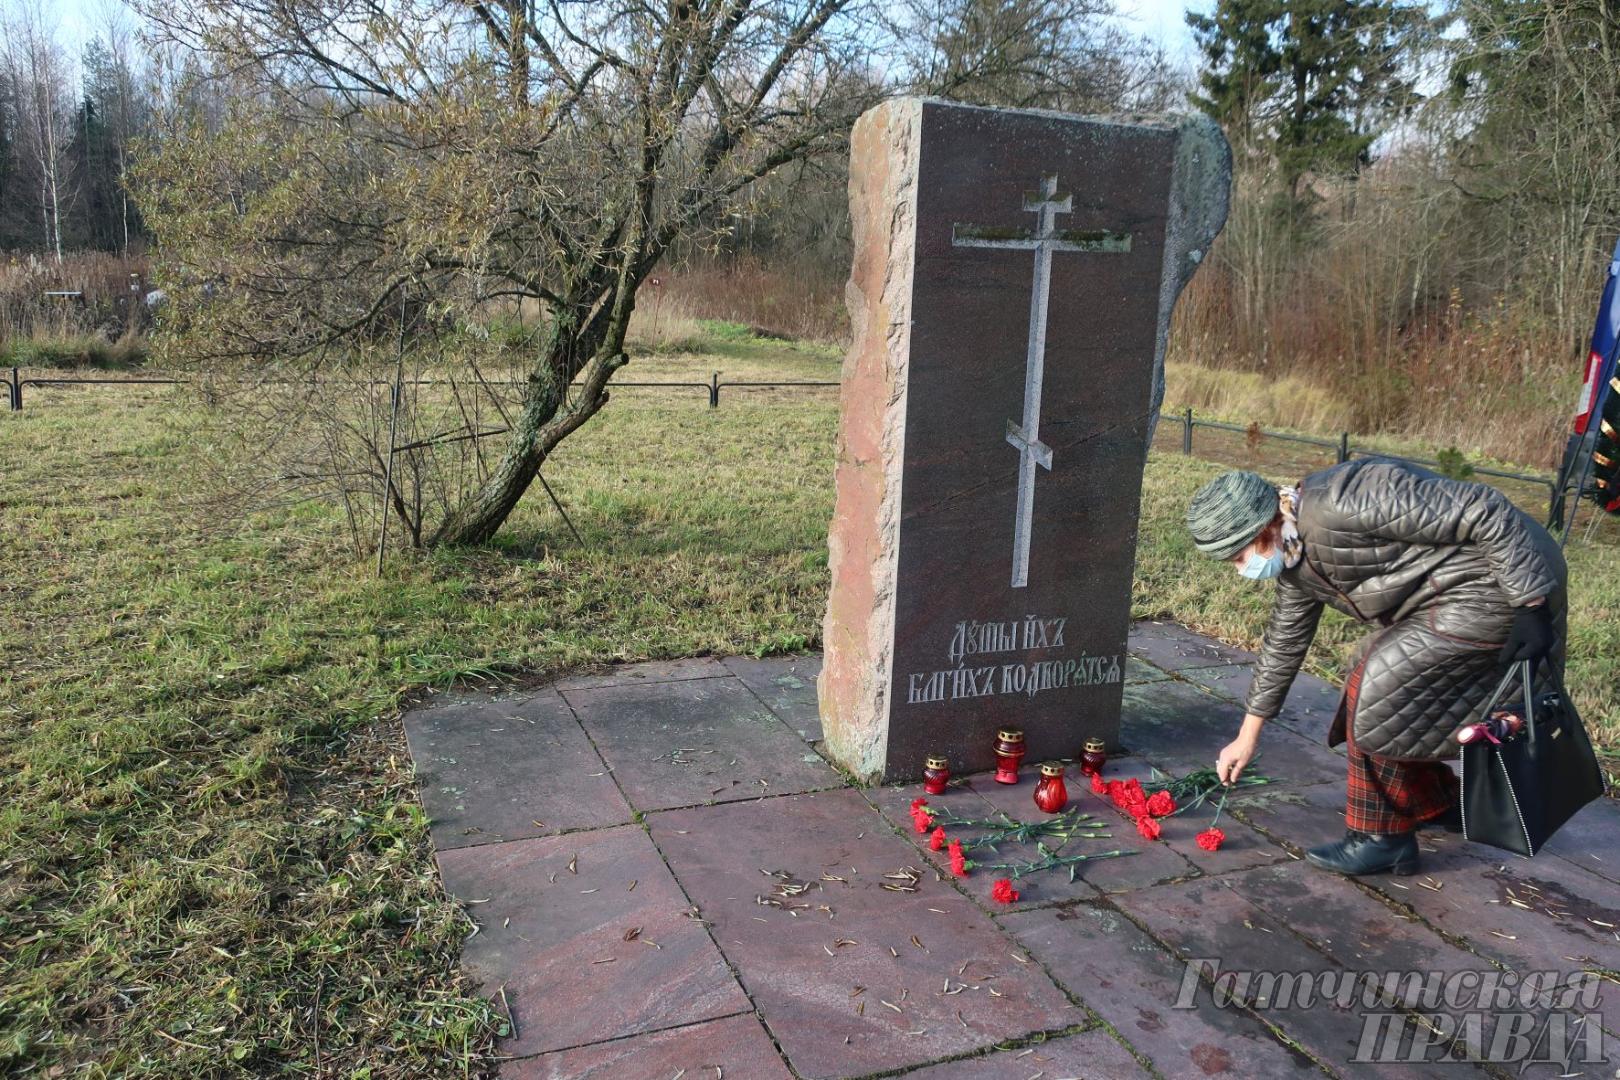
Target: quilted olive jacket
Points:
(1439, 564)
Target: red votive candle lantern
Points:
(1009, 755)
(1093, 757)
(936, 774)
(1050, 793)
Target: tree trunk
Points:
(480, 513)
(543, 423)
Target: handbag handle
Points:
(1525, 672)
(1507, 678)
(1528, 678)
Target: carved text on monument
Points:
(971, 637)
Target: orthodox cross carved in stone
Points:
(1043, 240)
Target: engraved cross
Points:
(1043, 240)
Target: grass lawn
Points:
(212, 860)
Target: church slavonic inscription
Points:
(974, 640)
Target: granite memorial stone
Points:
(1011, 292)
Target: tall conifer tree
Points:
(1308, 84)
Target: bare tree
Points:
(1070, 55)
(475, 152)
(39, 76)
(1056, 54)
(121, 95)
(1536, 97)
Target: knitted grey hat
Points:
(1229, 512)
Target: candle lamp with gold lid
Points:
(1009, 755)
(1093, 757)
(936, 774)
(1051, 795)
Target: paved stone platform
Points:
(669, 881)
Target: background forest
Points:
(1426, 195)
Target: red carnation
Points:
(1116, 793)
(1098, 784)
(917, 804)
(1210, 839)
(1003, 891)
(1161, 804)
(959, 863)
(1135, 802)
(922, 818)
(1148, 826)
(937, 841)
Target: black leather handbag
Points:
(1519, 790)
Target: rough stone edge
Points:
(856, 675)
(1200, 195)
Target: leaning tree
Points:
(348, 154)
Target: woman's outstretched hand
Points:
(1236, 755)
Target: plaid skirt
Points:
(1386, 795)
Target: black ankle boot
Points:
(1366, 853)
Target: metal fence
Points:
(1340, 446)
(14, 385)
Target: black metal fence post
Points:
(714, 390)
(1186, 433)
(1344, 447)
(14, 392)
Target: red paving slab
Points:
(1093, 1053)
(1175, 648)
(652, 671)
(736, 1047)
(696, 741)
(1209, 919)
(821, 967)
(979, 796)
(1358, 930)
(1590, 840)
(1244, 847)
(555, 939)
(1181, 727)
(1309, 721)
(1310, 692)
(1467, 891)
(1150, 862)
(1230, 681)
(1568, 923)
(1298, 816)
(509, 768)
(964, 801)
(787, 684)
(1368, 937)
(1133, 984)
(1365, 934)
(1140, 671)
(1307, 711)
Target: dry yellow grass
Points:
(1272, 401)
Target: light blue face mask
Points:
(1259, 567)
